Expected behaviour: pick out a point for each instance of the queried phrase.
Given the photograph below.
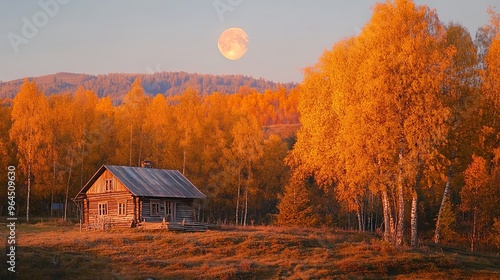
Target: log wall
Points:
(113, 219)
(99, 186)
(183, 210)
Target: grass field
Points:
(51, 251)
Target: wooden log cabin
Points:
(122, 196)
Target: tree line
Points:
(116, 85)
(216, 140)
(400, 125)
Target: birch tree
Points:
(371, 108)
(460, 94)
(28, 132)
(244, 152)
(131, 122)
(188, 117)
(473, 193)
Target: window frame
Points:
(122, 208)
(102, 208)
(154, 205)
(108, 184)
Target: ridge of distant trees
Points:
(116, 85)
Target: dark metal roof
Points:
(149, 182)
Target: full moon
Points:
(233, 43)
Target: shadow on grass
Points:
(47, 263)
(483, 261)
(62, 252)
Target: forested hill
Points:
(117, 85)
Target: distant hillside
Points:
(287, 132)
(117, 85)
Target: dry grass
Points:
(62, 252)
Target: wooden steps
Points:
(192, 227)
(174, 227)
(187, 227)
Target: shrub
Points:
(447, 225)
(495, 232)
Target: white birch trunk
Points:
(388, 224)
(28, 194)
(401, 203)
(446, 196)
(238, 196)
(414, 232)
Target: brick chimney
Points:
(146, 164)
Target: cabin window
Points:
(108, 185)
(122, 208)
(155, 208)
(103, 209)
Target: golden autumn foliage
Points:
(62, 139)
(491, 74)
(391, 114)
(461, 95)
(474, 191)
(371, 109)
(28, 131)
(403, 116)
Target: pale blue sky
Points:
(125, 36)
